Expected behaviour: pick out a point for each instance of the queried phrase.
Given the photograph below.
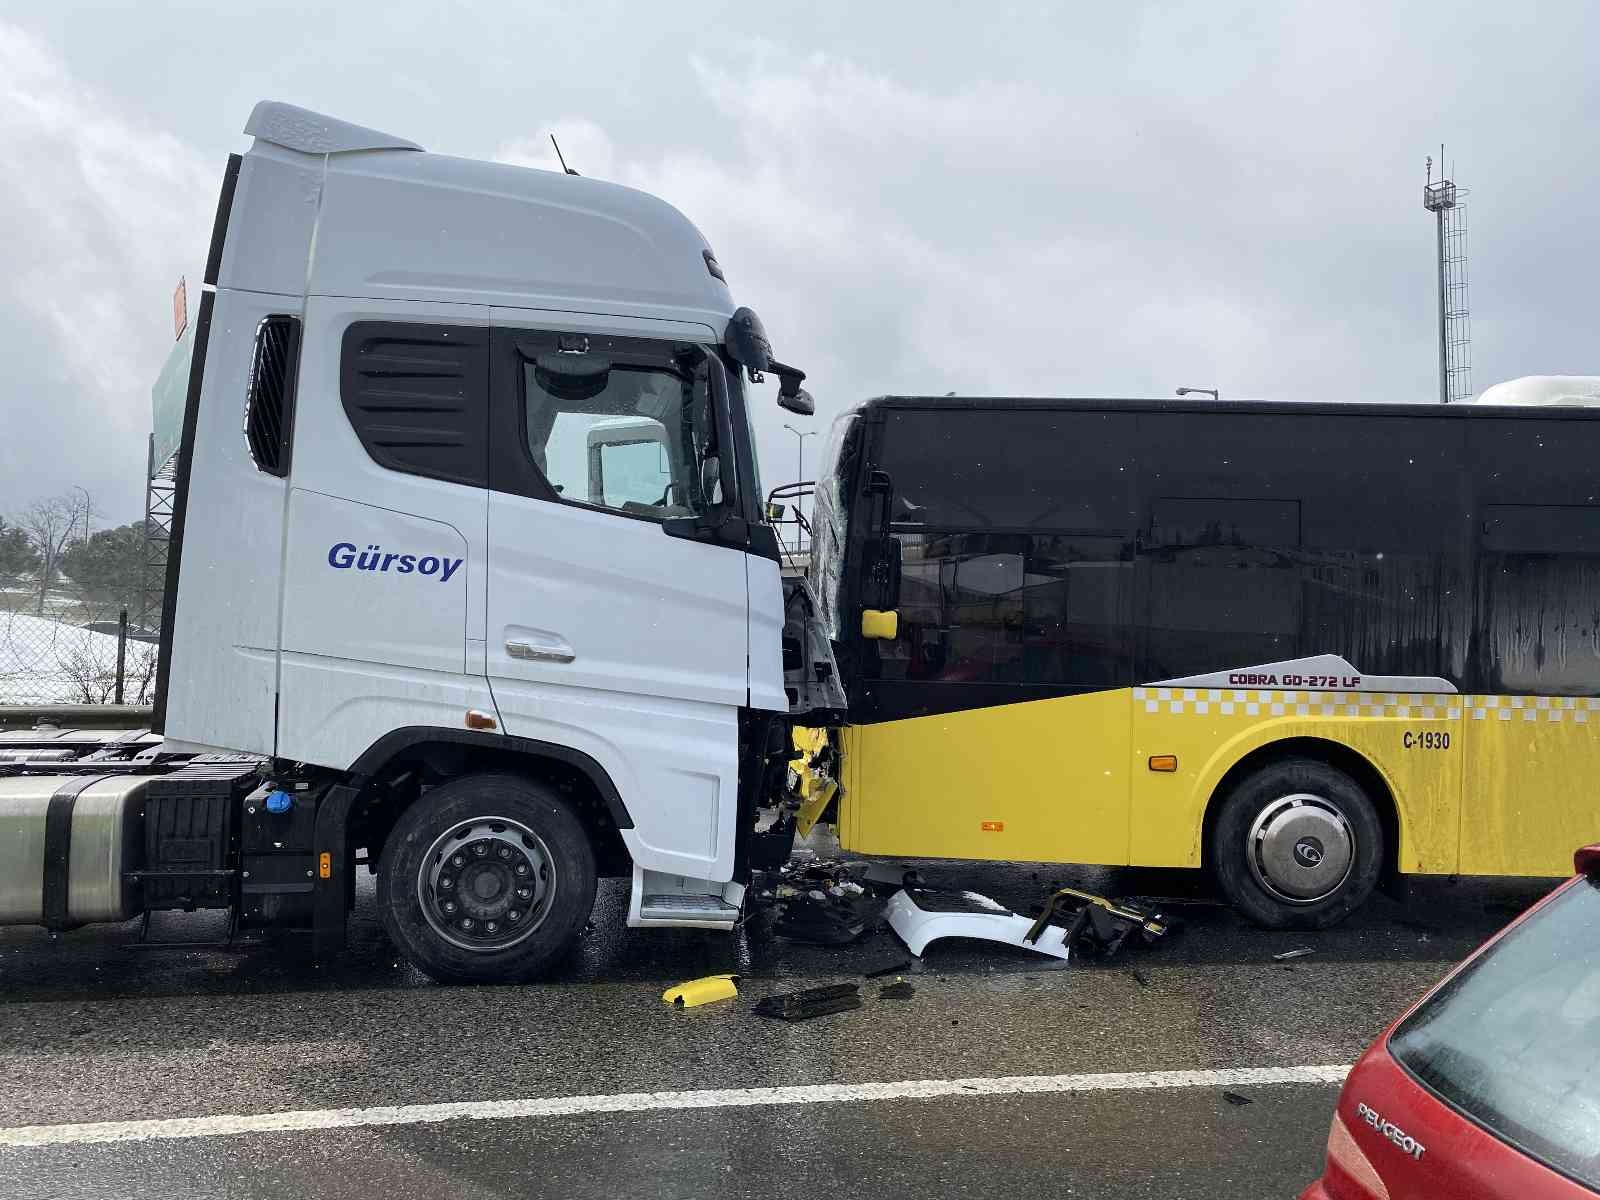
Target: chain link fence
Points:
(69, 647)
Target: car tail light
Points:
(1346, 1159)
(1587, 860)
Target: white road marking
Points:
(630, 1102)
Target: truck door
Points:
(617, 624)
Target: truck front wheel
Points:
(487, 879)
(1297, 845)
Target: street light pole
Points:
(1212, 392)
(799, 466)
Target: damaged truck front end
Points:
(791, 746)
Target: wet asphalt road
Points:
(93, 1031)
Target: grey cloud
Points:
(103, 217)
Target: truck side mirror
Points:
(791, 396)
(800, 402)
(747, 343)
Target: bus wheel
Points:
(1298, 845)
(487, 879)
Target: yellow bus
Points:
(1306, 647)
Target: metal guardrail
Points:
(75, 716)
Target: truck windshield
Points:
(1513, 1042)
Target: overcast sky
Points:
(1047, 199)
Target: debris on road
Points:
(1098, 926)
(888, 966)
(1299, 952)
(890, 875)
(813, 1002)
(822, 902)
(696, 992)
(1236, 1098)
(900, 989)
(1070, 920)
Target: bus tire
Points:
(487, 879)
(1297, 845)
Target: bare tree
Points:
(93, 680)
(50, 525)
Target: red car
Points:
(1489, 1087)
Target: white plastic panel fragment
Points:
(980, 918)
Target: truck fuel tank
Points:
(99, 829)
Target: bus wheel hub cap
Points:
(1300, 848)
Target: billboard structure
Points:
(167, 400)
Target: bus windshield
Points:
(829, 522)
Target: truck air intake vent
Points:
(417, 396)
(269, 407)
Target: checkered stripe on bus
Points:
(1533, 708)
(1252, 702)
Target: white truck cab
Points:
(469, 521)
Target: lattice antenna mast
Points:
(1446, 202)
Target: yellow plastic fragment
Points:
(702, 991)
(814, 806)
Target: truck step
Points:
(710, 910)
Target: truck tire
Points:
(487, 879)
(1297, 845)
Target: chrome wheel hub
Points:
(1301, 848)
(486, 884)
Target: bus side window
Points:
(1539, 572)
(1224, 585)
(1017, 531)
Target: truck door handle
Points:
(558, 652)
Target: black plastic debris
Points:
(1096, 926)
(1235, 1098)
(828, 922)
(900, 989)
(888, 966)
(822, 902)
(813, 1002)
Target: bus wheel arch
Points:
(1336, 786)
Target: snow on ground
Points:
(51, 662)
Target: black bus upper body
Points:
(1057, 546)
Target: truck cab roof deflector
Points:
(297, 128)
